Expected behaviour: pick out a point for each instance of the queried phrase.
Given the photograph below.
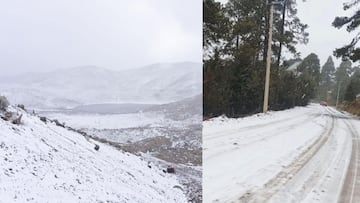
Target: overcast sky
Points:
(41, 35)
(324, 38)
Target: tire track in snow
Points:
(318, 180)
(275, 184)
(262, 137)
(351, 187)
(256, 126)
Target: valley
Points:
(153, 113)
(168, 135)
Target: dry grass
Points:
(352, 107)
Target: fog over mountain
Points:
(68, 88)
(47, 35)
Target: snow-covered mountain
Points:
(158, 83)
(43, 162)
(183, 109)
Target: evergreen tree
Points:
(350, 93)
(342, 72)
(216, 88)
(327, 71)
(311, 65)
(288, 89)
(353, 88)
(326, 80)
(355, 70)
(235, 39)
(349, 51)
(342, 79)
(215, 28)
(289, 31)
(305, 88)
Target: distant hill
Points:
(182, 109)
(67, 88)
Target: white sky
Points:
(324, 38)
(41, 35)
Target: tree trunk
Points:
(282, 33)
(266, 7)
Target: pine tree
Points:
(342, 72)
(286, 25)
(353, 88)
(327, 71)
(288, 89)
(342, 78)
(350, 94)
(235, 39)
(349, 51)
(327, 77)
(311, 65)
(215, 27)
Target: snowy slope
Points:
(180, 121)
(168, 133)
(158, 83)
(46, 163)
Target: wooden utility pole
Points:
(268, 60)
(338, 94)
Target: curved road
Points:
(308, 154)
(351, 187)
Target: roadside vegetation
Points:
(235, 51)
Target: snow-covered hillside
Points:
(181, 110)
(42, 162)
(169, 134)
(158, 83)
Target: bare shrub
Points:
(170, 170)
(43, 119)
(4, 103)
(97, 147)
(21, 106)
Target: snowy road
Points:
(350, 192)
(307, 154)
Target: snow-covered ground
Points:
(297, 155)
(169, 135)
(132, 110)
(46, 163)
(94, 123)
(108, 121)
